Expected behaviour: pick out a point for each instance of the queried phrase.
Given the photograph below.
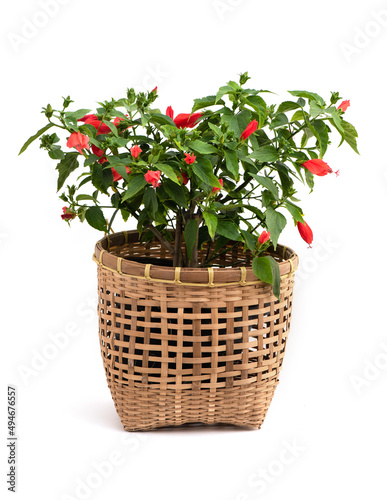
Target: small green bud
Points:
(335, 97)
(243, 78)
(131, 94)
(48, 111)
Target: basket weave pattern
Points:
(176, 353)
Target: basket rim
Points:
(210, 276)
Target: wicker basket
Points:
(189, 345)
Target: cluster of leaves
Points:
(258, 174)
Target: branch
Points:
(161, 238)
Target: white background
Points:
(330, 406)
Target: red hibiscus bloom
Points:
(215, 189)
(250, 129)
(189, 158)
(305, 232)
(183, 120)
(102, 128)
(78, 141)
(344, 106)
(184, 178)
(67, 215)
(135, 150)
(153, 177)
(318, 167)
(263, 237)
(97, 151)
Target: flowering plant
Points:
(225, 171)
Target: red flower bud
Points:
(67, 215)
(189, 158)
(154, 90)
(97, 151)
(215, 189)
(263, 237)
(305, 232)
(169, 112)
(152, 177)
(318, 167)
(344, 106)
(102, 128)
(185, 120)
(135, 150)
(250, 129)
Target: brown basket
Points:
(189, 345)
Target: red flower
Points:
(97, 151)
(78, 141)
(250, 129)
(117, 120)
(135, 150)
(152, 177)
(184, 178)
(344, 106)
(183, 120)
(102, 128)
(318, 167)
(155, 89)
(305, 232)
(215, 189)
(263, 237)
(169, 112)
(189, 158)
(117, 176)
(69, 215)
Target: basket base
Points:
(142, 409)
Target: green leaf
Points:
(262, 269)
(66, 166)
(267, 270)
(232, 163)
(259, 105)
(76, 115)
(95, 218)
(150, 201)
(176, 192)
(33, 137)
(161, 119)
(308, 95)
(279, 121)
(309, 179)
(101, 177)
(275, 271)
(121, 169)
(205, 101)
(56, 154)
(275, 222)
(112, 127)
(190, 236)
(168, 171)
(287, 106)
(203, 147)
(350, 135)
(211, 221)
(299, 115)
(223, 91)
(336, 120)
(265, 153)
(315, 109)
(82, 197)
(295, 211)
(135, 185)
(228, 229)
(250, 240)
(320, 130)
(268, 184)
(203, 169)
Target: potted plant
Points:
(195, 304)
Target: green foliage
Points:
(176, 173)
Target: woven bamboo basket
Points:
(183, 345)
